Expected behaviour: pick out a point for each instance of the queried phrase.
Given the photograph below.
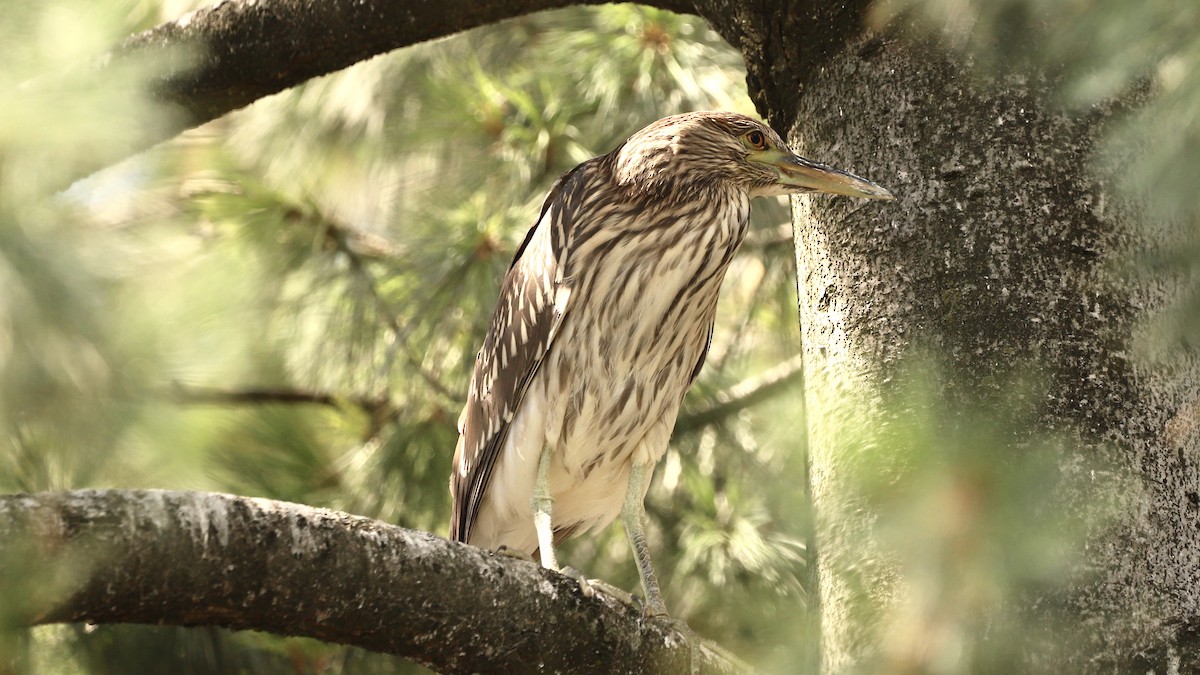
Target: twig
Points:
(745, 394)
(212, 396)
(340, 235)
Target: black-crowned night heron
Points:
(603, 322)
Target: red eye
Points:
(757, 139)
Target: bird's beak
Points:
(795, 171)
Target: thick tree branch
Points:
(249, 49)
(188, 558)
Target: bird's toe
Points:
(585, 586)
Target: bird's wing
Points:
(534, 298)
(703, 356)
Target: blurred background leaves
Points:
(286, 302)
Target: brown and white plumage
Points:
(603, 323)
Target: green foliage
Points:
(68, 374)
(344, 242)
(977, 511)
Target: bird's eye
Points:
(757, 139)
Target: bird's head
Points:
(727, 149)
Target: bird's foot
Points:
(697, 643)
(619, 594)
(590, 587)
(659, 615)
(680, 627)
(585, 586)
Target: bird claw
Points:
(589, 588)
(694, 641)
(585, 586)
(680, 627)
(697, 643)
(619, 594)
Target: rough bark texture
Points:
(1002, 252)
(189, 559)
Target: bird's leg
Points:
(541, 505)
(633, 517)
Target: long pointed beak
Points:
(795, 171)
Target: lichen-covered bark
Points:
(1002, 255)
(187, 558)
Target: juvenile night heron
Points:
(603, 322)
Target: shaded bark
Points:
(783, 43)
(1001, 256)
(190, 559)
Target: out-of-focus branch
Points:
(775, 238)
(744, 394)
(210, 396)
(189, 558)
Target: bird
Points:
(604, 320)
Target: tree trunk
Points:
(1002, 258)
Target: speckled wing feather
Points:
(703, 356)
(533, 302)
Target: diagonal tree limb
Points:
(185, 394)
(745, 394)
(191, 558)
